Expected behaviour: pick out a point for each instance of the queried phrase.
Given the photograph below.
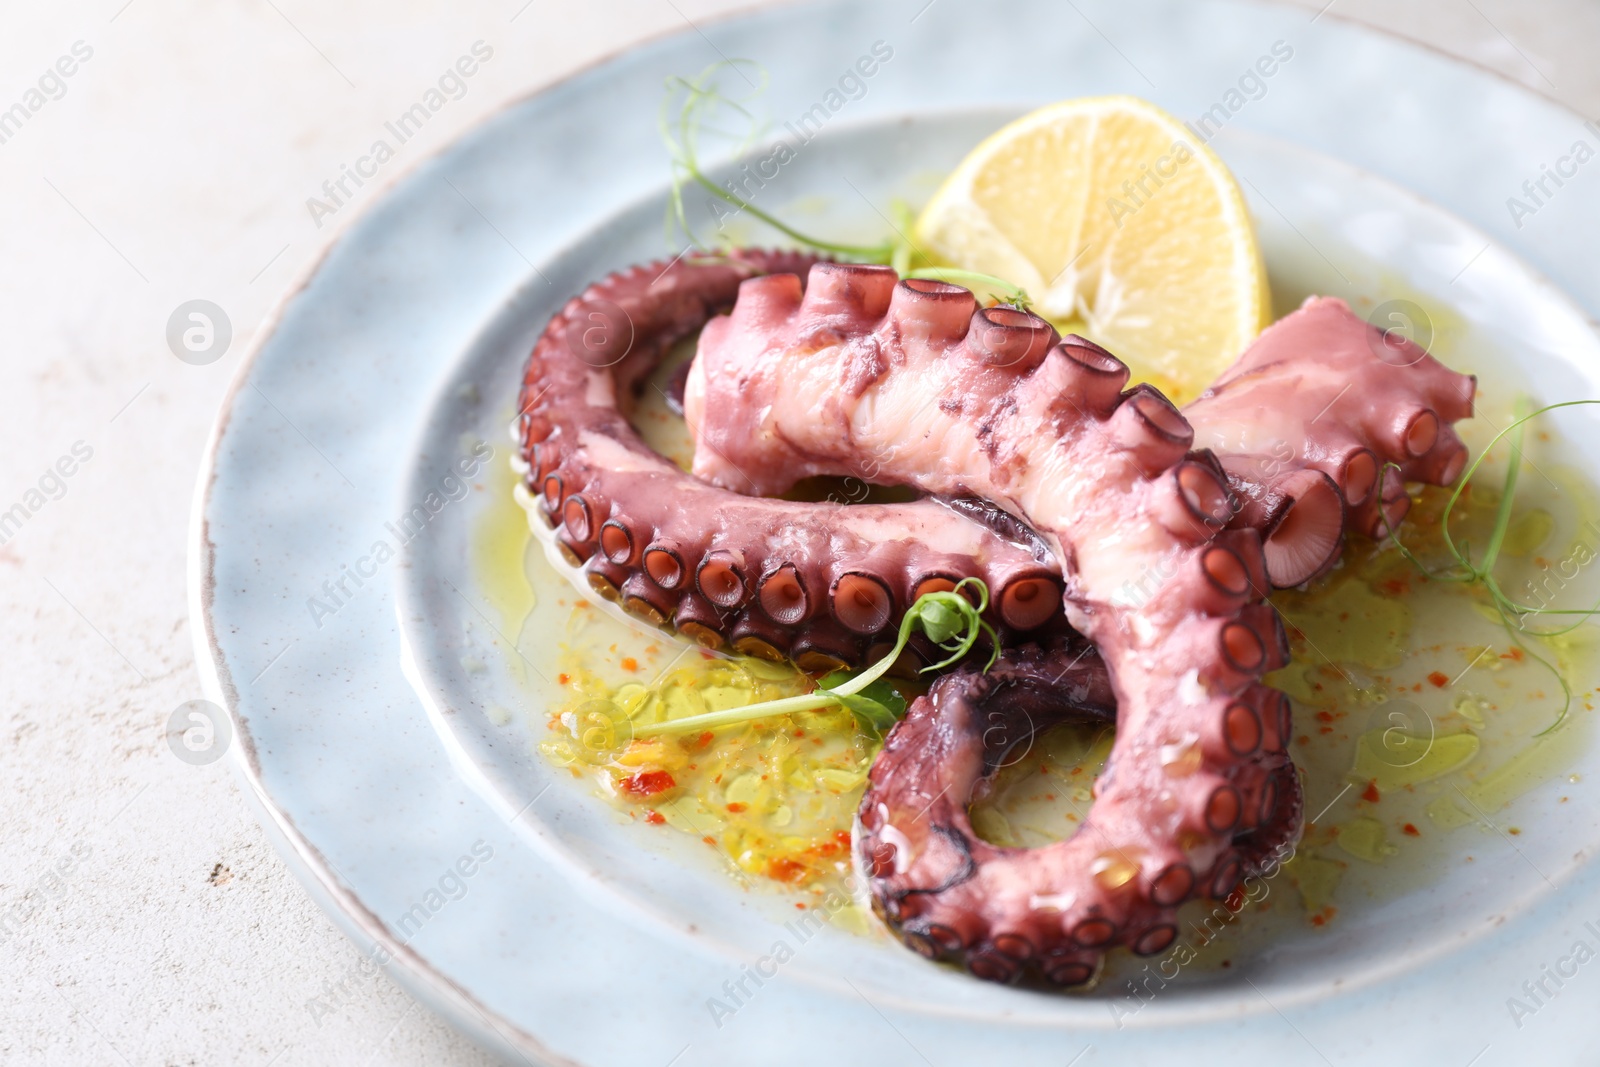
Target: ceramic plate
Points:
(386, 686)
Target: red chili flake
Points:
(736, 807)
(1235, 899)
(1325, 716)
(709, 840)
(1410, 830)
(800, 904)
(563, 678)
(1439, 679)
(1370, 793)
(647, 783)
(1514, 654)
(629, 663)
(1302, 740)
(843, 837)
(703, 739)
(784, 869)
(655, 818)
(1318, 920)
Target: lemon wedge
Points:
(1121, 225)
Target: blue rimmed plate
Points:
(363, 660)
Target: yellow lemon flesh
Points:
(1121, 226)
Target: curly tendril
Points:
(701, 104)
(1467, 572)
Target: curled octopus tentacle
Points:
(912, 381)
(633, 521)
(821, 583)
(950, 895)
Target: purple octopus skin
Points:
(815, 582)
(912, 380)
(1330, 395)
(958, 736)
(824, 584)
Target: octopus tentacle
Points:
(618, 329)
(914, 838)
(816, 581)
(1050, 481)
(1111, 479)
(1327, 392)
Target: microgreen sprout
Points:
(1467, 572)
(701, 104)
(949, 619)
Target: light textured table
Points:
(143, 917)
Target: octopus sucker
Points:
(1166, 526)
(1331, 393)
(770, 577)
(1127, 545)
